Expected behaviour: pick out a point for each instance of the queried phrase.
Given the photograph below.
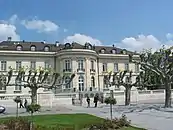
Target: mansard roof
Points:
(43, 46)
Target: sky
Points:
(129, 24)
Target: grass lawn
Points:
(76, 121)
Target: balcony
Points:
(67, 70)
(92, 70)
(81, 70)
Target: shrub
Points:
(110, 100)
(17, 99)
(33, 108)
(116, 123)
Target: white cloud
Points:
(42, 26)
(143, 42)
(169, 36)
(8, 30)
(13, 19)
(82, 39)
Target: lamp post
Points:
(111, 96)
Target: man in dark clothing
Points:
(25, 103)
(96, 100)
(21, 103)
(88, 101)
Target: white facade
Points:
(88, 66)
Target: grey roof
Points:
(26, 46)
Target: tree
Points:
(123, 78)
(161, 63)
(34, 79)
(149, 80)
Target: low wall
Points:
(49, 99)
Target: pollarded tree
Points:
(149, 80)
(34, 79)
(123, 78)
(161, 63)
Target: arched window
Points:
(105, 84)
(19, 48)
(81, 83)
(102, 50)
(66, 81)
(33, 48)
(46, 48)
(92, 81)
(114, 51)
(127, 80)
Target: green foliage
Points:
(110, 100)
(114, 124)
(16, 124)
(17, 99)
(33, 108)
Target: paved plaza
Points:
(152, 117)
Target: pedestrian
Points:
(95, 100)
(25, 103)
(21, 103)
(88, 101)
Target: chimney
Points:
(9, 39)
(57, 43)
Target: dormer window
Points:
(33, 48)
(124, 52)
(102, 50)
(88, 46)
(19, 48)
(114, 51)
(46, 48)
(67, 45)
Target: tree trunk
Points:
(167, 94)
(34, 95)
(127, 95)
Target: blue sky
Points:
(131, 24)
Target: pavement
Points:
(148, 116)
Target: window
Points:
(18, 65)
(66, 81)
(81, 83)
(80, 64)
(115, 67)
(46, 65)
(46, 48)
(33, 65)
(33, 48)
(92, 65)
(3, 65)
(18, 86)
(4, 80)
(114, 51)
(19, 48)
(92, 81)
(136, 68)
(102, 51)
(104, 67)
(67, 65)
(105, 84)
(127, 80)
(127, 66)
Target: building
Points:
(89, 63)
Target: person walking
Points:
(21, 103)
(25, 103)
(96, 100)
(88, 101)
